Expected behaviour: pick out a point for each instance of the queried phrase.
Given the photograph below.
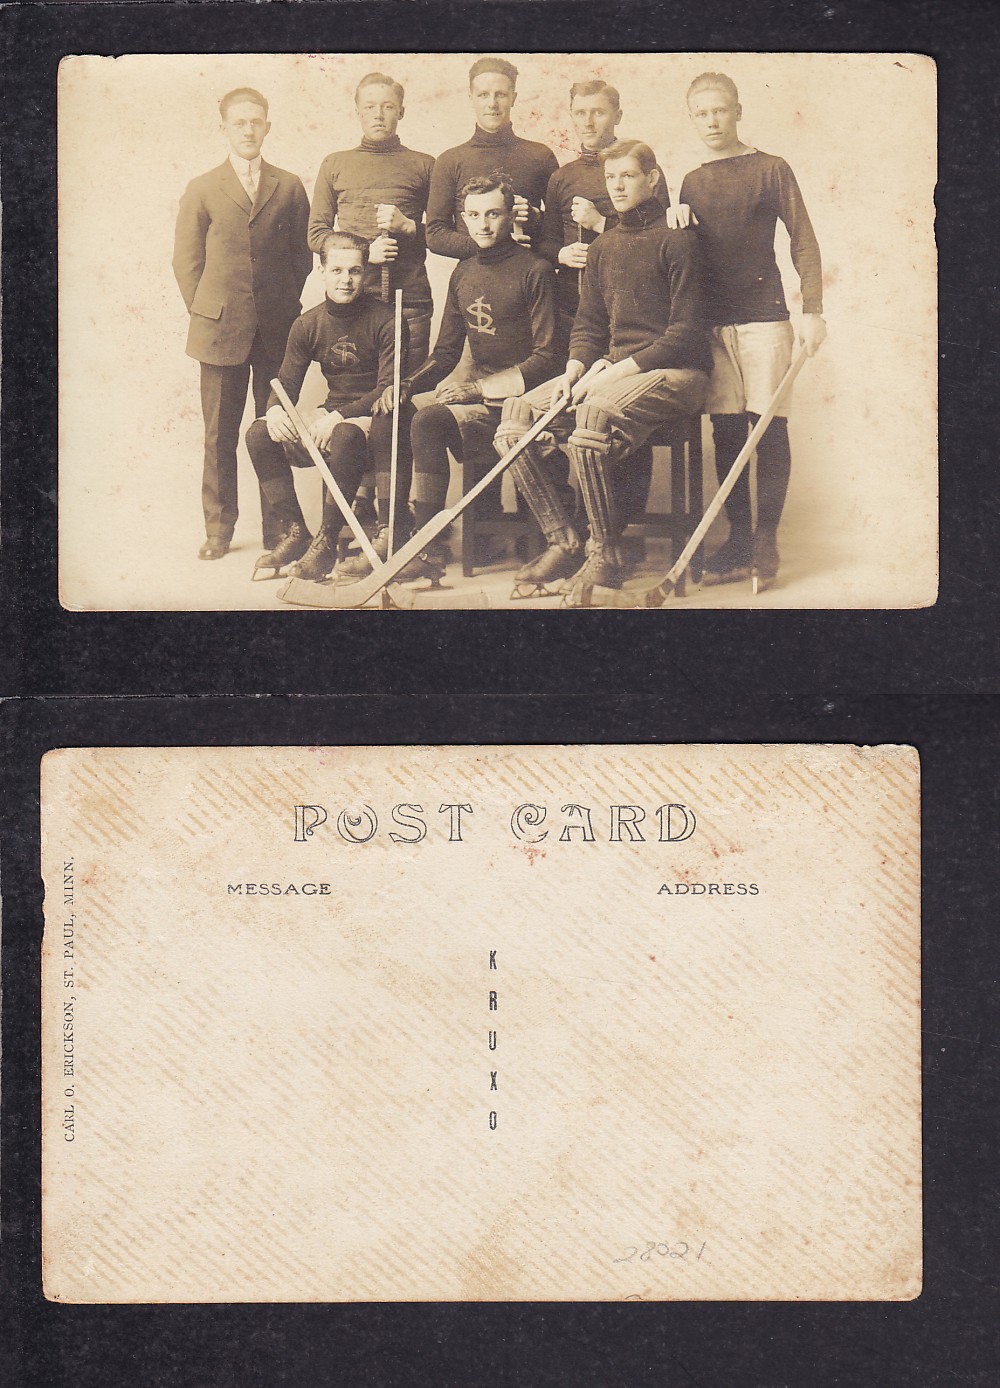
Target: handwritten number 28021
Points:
(663, 1250)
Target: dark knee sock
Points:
(774, 466)
(380, 447)
(433, 432)
(347, 459)
(634, 476)
(274, 472)
(730, 431)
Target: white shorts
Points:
(749, 361)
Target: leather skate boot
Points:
(730, 563)
(319, 559)
(603, 569)
(429, 563)
(557, 561)
(766, 560)
(356, 566)
(292, 545)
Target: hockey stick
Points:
(590, 596)
(357, 594)
(309, 444)
(394, 450)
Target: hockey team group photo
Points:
(546, 331)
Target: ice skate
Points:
(319, 559)
(729, 564)
(356, 566)
(766, 561)
(292, 545)
(532, 580)
(602, 569)
(430, 563)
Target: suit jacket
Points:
(239, 267)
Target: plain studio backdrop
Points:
(860, 527)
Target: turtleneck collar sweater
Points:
(638, 218)
(387, 146)
(492, 255)
(345, 313)
(493, 139)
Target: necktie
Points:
(251, 185)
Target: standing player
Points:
(240, 259)
(735, 199)
(501, 302)
(379, 190)
(638, 355)
(493, 148)
(351, 336)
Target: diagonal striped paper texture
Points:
(484, 1024)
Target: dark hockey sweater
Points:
(503, 301)
(527, 164)
(738, 202)
(349, 187)
(641, 296)
(354, 345)
(583, 178)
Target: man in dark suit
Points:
(241, 258)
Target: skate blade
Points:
(267, 575)
(524, 592)
(713, 580)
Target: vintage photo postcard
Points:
(549, 330)
(591, 1023)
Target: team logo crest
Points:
(344, 352)
(481, 317)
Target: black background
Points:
(925, 677)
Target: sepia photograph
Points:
(540, 331)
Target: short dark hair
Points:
(637, 149)
(335, 239)
(242, 94)
(596, 87)
(488, 183)
(705, 81)
(500, 65)
(379, 79)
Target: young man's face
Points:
(715, 116)
(379, 110)
(245, 125)
(487, 218)
(628, 186)
(343, 274)
(594, 119)
(492, 96)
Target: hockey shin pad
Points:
(590, 449)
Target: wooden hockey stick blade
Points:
(309, 444)
(343, 595)
(656, 597)
(304, 592)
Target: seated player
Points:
(735, 199)
(351, 336)
(638, 356)
(502, 302)
(577, 210)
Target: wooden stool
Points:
(682, 436)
